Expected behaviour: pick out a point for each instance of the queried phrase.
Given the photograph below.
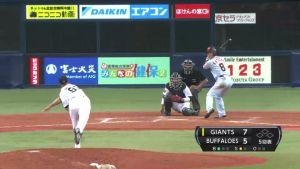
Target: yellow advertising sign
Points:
(51, 12)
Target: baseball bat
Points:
(225, 43)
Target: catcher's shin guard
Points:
(189, 112)
(168, 106)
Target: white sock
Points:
(77, 145)
(220, 106)
(209, 103)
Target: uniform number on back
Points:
(222, 67)
(72, 89)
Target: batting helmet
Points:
(176, 81)
(212, 50)
(187, 66)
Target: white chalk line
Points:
(34, 151)
(253, 119)
(105, 120)
(102, 121)
(157, 119)
(36, 125)
(49, 125)
(260, 123)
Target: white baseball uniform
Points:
(79, 105)
(222, 84)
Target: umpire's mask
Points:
(176, 81)
(187, 66)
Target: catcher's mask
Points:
(187, 66)
(212, 50)
(176, 81)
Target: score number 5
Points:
(245, 140)
(244, 67)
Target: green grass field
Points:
(21, 101)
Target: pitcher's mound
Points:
(121, 158)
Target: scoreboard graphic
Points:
(238, 138)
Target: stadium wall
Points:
(20, 36)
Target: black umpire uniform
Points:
(194, 77)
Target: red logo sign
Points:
(192, 11)
(121, 73)
(34, 71)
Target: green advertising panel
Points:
(133, 70)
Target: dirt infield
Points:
(132, 159)
(122, 159)
(146, 121)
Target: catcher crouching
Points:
(177, 96)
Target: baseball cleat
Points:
(195, 112)
(220, 117)
(209, 113)
(77, 136)
(166, 113)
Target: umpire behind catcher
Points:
(194, 79)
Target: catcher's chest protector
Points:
(178, 91)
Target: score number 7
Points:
(245, 140)
(243, 69)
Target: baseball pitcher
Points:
(77, 103)
(223, 83)
(177, 95)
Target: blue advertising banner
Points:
(155, 11)
(78, 70)
(150, 11)
(104, 11)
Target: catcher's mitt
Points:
(175, 98)
(168, 96)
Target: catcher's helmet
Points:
(187, 66)
(63, 80)
(176, 81)
(212, 50)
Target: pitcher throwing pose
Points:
(222, 84)
(77, 103)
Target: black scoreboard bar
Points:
(238, 138)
